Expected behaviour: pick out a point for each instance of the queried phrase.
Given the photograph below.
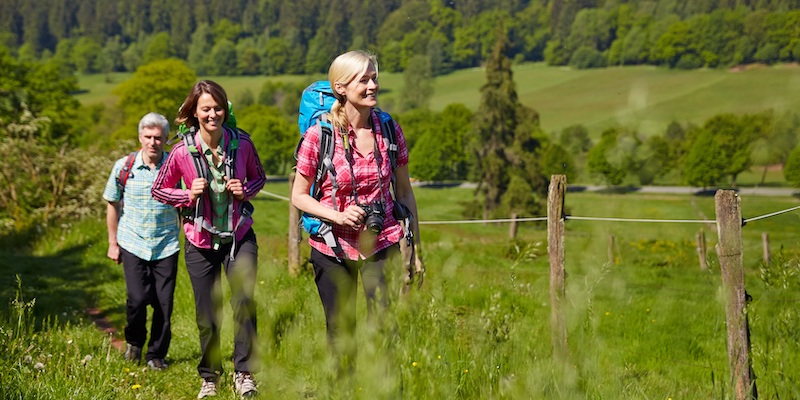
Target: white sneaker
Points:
(245, 385)
(209, 389)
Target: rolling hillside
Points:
(646, 97)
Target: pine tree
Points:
(505, 135)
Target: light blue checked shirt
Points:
(147, 228)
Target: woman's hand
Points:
(235, 187)
(199, 186)
(352, 216)
(419, 268)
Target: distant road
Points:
(748, 191)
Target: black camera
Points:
(375, 216)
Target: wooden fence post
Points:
(512, 227)
(765, 244)
(611, 246)
(729, 251)
(702, 254)
(555, 250)
(294, 234)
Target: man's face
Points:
(152, 140)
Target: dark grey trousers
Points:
(205, 270)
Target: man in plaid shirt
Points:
(143, 236)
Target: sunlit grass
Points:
(648, 323)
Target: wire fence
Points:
(735, 315)
(578, 218)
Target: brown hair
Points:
(187, 110)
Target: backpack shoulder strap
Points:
(388, 129)
(196, 153)
(401, 212)
(230, 153)
(325, 168)
(125, 172)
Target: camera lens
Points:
(374, 220)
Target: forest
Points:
(272, 37)
(165, 46)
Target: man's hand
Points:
(113, 253)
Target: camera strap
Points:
(377, 156)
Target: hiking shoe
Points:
(245, 385)
(208, 389)
(157, 364)
(133, 353)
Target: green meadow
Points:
(644, 321)
(646, 324)
(645, 97)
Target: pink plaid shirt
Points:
(368, 187)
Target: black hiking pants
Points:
(149, 283)
(337, 286)
(205, 270)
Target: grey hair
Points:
(154, 120)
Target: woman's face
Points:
(363, 90)
(209, 114)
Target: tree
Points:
(555, 160)
(41, 177)
(775, 140)
(225, 29)
(575, 139)
(159, 48)
(275, 60)
(439, 153)
(273, 135)
(224, 59)
(792, 169)
(158, 87)
(247, 58)
(110, 58)
(333, 38)
(428, 159)
(202, 43)
(133, 55)
(703, 166)
(84, 55)
(502, 133)
(652, 159)
(418, 87)
(608, 160)
(733, 137)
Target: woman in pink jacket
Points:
(221, 171)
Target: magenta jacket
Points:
(179, 166)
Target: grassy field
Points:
(644, 97)
(648, 324)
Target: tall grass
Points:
(647, 324)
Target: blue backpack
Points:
(315, 104)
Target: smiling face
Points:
(362, 92)
(210, 114)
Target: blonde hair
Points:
(344, 69)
